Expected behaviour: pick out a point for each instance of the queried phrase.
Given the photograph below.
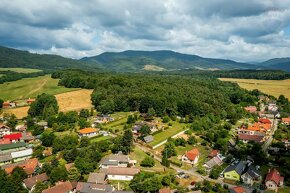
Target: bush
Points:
(148, 162)
(165, 119)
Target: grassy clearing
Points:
(31, 87)
(21, 70)
(174, 129)
(101, 138)
(271, 87)
(285, 189)
(139, 155)
(119, 122)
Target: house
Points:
(273, 180)
(43, 124)
(251, 109)
(215, 161)
(60, 187)
(103, 119)
(29, 183)
(5, 159)
(265, 121)
(148, 138)
(286, 121)
(97, 178)
(234, 171)
(29, 166)
(152, 126)
(213, 153)
(12, 147)
(191, 156)
(27, 137)
(13, 137)
(84, 187)
(117, 160)
(256, 128)
(4, 130)
(88, 132)
(47, 151)
(6, 105)
(251, 176)
(21, 155)
(29, 101)
(237, 189)
(246, 138)
(4, 141)
(272, 107)
(124, 174)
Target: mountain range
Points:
(131, 61)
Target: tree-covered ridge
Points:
(243, 74)
(8, 76)
(11, 58)
(172, 95)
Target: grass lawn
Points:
(285, 189)
(31, 87)
(272, 87)
(119, 122)
(123, 185)
(101, 138)
(174, 129)
(21, 70)
(139, 155)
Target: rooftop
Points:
(192, 154)
(12, 146)
(88, 130)
(238, 167)
(30, 182)
(61, 187)
(120, 171)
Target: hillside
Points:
(277, 63)
(12, 58)
(161, 60)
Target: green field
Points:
(174, 129)
(101, 138)
(31, 87)
(21, 70)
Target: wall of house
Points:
(271, 185)
(232, 175)
(120, 177)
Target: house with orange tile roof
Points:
(286, 121)
(251, 109)
(191, 156)
(60, 187)
(28, 165)
(88, 132)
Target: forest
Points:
(243, 74)
(8, 76)
(164, 94)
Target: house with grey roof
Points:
(117, 160)
(251, 176)
(148, 138)
(97, 178)
(235, 170)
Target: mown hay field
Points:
(271, 87)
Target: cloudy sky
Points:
(245, 30)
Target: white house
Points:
(4, 130)
(117, 160)
(124, 174)
(191, 156)
(273, 180)
(88, 132)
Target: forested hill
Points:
(12, 58)
(277, 63)
(161, 60)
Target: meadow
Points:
(31, 87)
(271, 87)
(21, 70)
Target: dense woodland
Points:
(243, 74)
(8, 76)
(170, 95)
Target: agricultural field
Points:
(271, 87)
(31, 87)
(69, 101)
(21, 70)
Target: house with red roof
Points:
(28, 165)
(273, 180)
(265, 121)
(191, 156)
(88, 132)
(213, 153)
(14, 137)
(60, 187)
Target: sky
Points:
(245, 30)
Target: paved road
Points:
(269, 141)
